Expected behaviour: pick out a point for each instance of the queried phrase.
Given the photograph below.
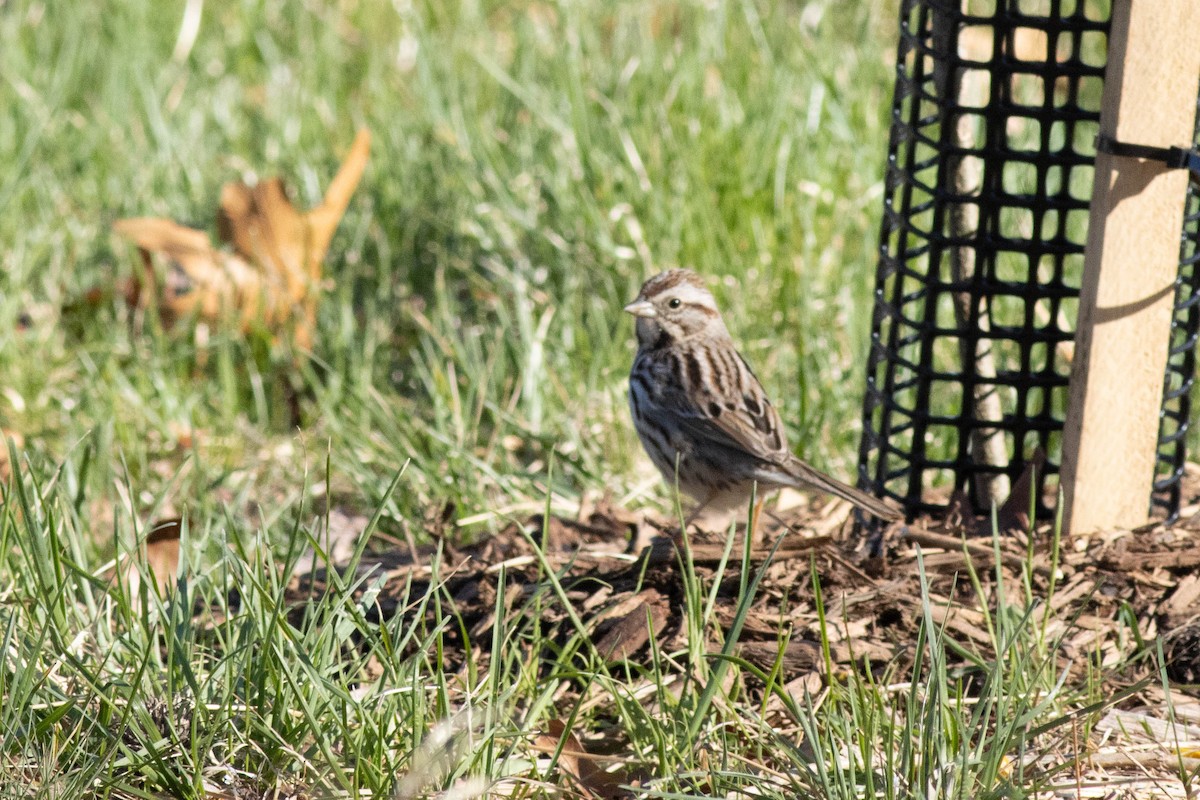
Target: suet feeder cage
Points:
(1037, 287)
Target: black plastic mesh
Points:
(985, 218)
(1181, 359)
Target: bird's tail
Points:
(808, 477)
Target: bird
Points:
(701, 414)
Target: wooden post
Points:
(1111, 429)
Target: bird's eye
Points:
(674, 302)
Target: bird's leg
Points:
(708, 498)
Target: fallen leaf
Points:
(582, 767)
(160, 554)
(271, 278)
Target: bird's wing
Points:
(741, 418)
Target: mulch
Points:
(623, 574)
(620, 575)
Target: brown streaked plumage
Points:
(700, 412)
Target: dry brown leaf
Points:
(162, 551)
(576, 762)
(159, 552)
(273, 276)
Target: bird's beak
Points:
(641, 308)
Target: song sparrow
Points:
(702, 416)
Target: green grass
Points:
(532, 164)
(114, 692)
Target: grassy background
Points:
(532, 164)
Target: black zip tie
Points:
(1173, 157)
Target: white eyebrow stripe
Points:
(693, 294)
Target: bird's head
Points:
(675, 306)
